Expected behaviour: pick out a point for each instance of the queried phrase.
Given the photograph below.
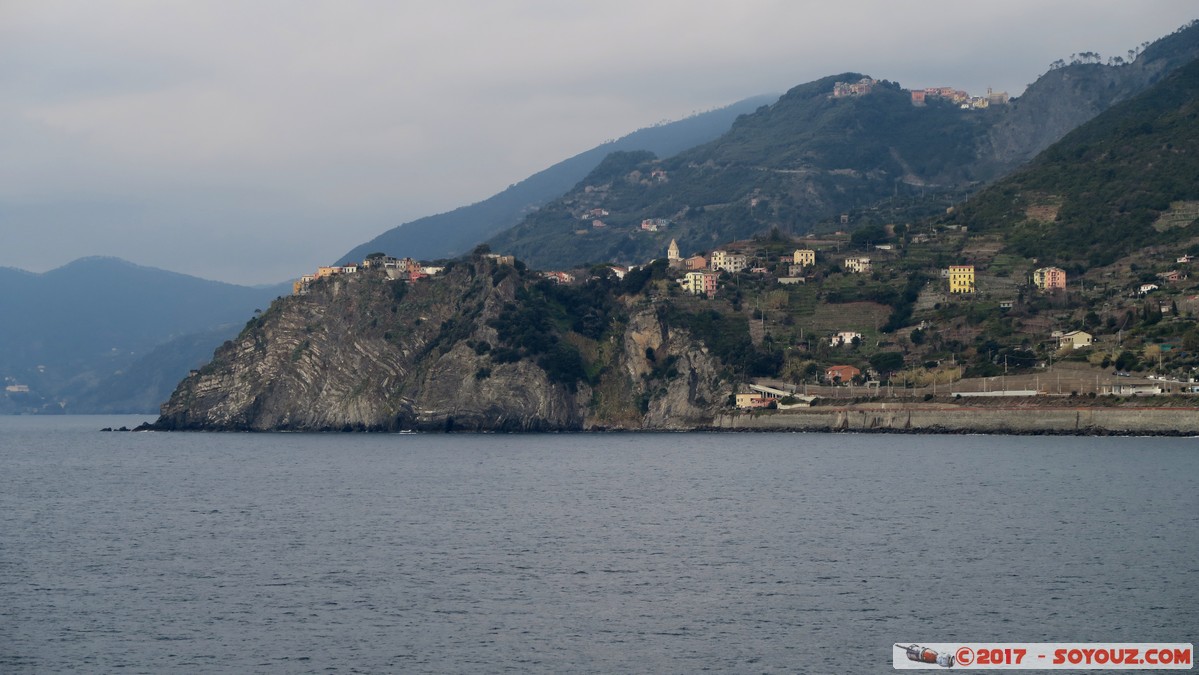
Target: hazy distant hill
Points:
(148, 381)
(802, 162)
(455, 232)
(67, 330)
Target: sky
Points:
(249, 141)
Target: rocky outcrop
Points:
(363, 352)
(1065, 98)
(672, 380)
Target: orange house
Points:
(839, 374)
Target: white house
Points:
(860, 265)
(845, 337)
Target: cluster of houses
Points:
(961, 278)
(860, 88)
(762, 396)
(701, 277)
(395, 268)
(962, 99)
(702, 273)
(920, 97)
(595, 216)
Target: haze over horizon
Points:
(247, 142)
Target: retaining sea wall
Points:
(899, 418)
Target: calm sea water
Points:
(673, 553)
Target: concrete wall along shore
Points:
(901, 418)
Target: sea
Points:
(578, 553)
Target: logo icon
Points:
(926, 655)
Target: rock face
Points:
(364, 352)
(1065, 98)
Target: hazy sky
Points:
(251, 140)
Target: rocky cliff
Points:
(366, 352)
(1067, 97)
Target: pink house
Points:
(1049, 278)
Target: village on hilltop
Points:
(921, 97)
(405, 269)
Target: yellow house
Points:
(699, 282)
(961, 278)
(804, 257)
(751, 400)
(1075, 339)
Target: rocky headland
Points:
(364, 352)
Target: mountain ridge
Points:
(812, 157)
(125, 309)
(457, 231)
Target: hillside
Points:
(456, 232)
(818, 162)
(1138, 189)
(795, 164)
(72, 328)
(1069, 95)
(483, 346)
(491, 345)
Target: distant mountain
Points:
(68, 330)
(812, 160)
(455, 232)
(148, 381)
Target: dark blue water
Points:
(679, 553)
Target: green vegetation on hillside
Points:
(815, 162)
(1115, 204)
(791, 166)
(1140, 160)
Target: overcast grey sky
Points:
(251, 140)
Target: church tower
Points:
(672, 253)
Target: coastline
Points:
(866, 417)
(972, 419)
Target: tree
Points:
(887, 362)
(870, 234)
(1190, 341)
